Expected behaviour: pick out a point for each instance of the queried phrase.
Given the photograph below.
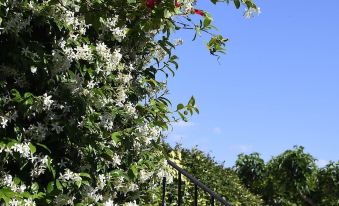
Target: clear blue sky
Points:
(277, 86)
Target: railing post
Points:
(195, 195)
(163, 191)
(179, 189)
(197, 183)
(212, 200)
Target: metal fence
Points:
(197, 185)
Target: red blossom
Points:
(200, 12)
(150, 3)
(177, 4)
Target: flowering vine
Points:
(82, 110)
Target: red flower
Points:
(150, 3)
(177, 4)
(200, 12)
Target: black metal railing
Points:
(197, 185)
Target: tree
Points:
(81, 107)
(251, 170)
(222, 180)
(327, 192)
(291, 178)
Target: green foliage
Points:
(251, 170)
(82, 107)
(327, 192)
(223, 181)
(291, 178)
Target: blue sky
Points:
(277, 86)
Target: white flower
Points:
(23, 149)
(130, 109)
(91, 84)
(131, 203)
(25, 51)
(162, 173)
(21, 189)
(29, 202)
(102, 50)
(7, 180)
(47, 101)
(133, 187)
(116, 159)
(83, 52)
(124, 78)
(249, 13)
(117, 56)
(145, 175)
(57, 128)
(101, 181)
(3, 121)
(121, 96)
(13, 116)
(109, 202)
(178, 42)
(69, 175)
(14, 202)
(33, 69)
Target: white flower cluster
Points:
(64, 199)
(103, 72)
(39, 165)
(8, 118)
(110, 24)
(106, 121)
(3, 121)
(148, 133)
(25, 202)
(37, 132)
(81, 52)
(121, 96)
(69, 176)
(21, 148)
(178, 42)
(163, 173)
(110, 59)
(145, 175)
(186, 6)
(110, 202)
(77, 23)
(7, 181)
(47, 101)
(39, 162)
(249, 13)
(130, 110)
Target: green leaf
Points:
(133, 171)
(32, 148)
(116, 137)
(207, 21)
(237, 3)
(83, 174)
(44, 146)
(191, 102)
(58, 185)
(17, 180)
(78, 184)
(50, 187)
(180, 106)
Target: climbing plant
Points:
(82, 110)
